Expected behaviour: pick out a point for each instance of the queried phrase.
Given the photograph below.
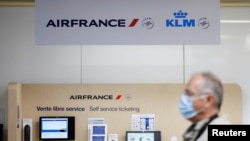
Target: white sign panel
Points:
(127, 22)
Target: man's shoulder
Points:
(221, 120)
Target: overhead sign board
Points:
(128, 22)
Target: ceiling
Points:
(224, 3)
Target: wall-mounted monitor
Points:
(143, 135)
(57, 128)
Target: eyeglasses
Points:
(192, 95)
(189, 93)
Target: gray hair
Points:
(212, 84)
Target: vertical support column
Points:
(14, 112)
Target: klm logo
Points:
(180, 20)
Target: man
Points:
(200, 104)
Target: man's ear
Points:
(210, 100)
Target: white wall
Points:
(23, 61)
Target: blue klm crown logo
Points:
(180, 14)
(180, 20)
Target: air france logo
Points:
(71, 23)
(133, 23)
(180, 20)
(95, 97)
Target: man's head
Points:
(202, 97)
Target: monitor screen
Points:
(57, 128)
(143, 135)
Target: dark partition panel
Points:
(1, 132)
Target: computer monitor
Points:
(143, 135)
(57, 128)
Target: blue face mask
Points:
(186, 107)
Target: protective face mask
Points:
(186, 107)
